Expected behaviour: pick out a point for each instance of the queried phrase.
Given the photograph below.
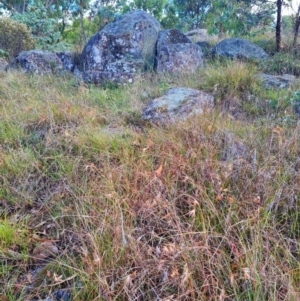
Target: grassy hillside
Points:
(206, 209)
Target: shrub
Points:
(14, 38)
(45, 28)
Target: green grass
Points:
(140, 212)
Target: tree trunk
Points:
(83, 35)
(296, 27)
(278, 25)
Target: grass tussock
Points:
(207, 209)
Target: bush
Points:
(45, 28)
(14, 38)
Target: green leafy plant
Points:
(44, 27)
(8, 234)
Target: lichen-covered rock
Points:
(276, 81)
(36, 61)
(238, 49)
(177, 104)
(126, 45)
(98, 77)
(68, 60)
(176, 53)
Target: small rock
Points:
(62, 295)
(276, 82)
(177, 104)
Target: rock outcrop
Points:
(68, 60)
(36, 61)
(176, 53)
(276, 81)
(177, 104)
(126, 45)
(238, 49)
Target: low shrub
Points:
(14, 38)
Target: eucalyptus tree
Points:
(239, 17)
(192, 12)
(154, 7)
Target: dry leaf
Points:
(192, 213)
(29, 278)
(247, 273)
(67, 134)
(57, 278)
(277, 130)
(230, 199)
(175, 273)
(159, 170)
(128, 281)
(256, 200)
(232, 279)
(186, 276)
(44, 250)
(149, 144)
(96, 258)
(219, 197)
(222, 295)
(170, 298)
(48, 274)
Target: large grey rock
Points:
(238, 49)
(176, 53)
(68, 60)
(36, 61)
(126, 45)
(276, 82)
(177, 104)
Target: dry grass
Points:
(207, 209)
